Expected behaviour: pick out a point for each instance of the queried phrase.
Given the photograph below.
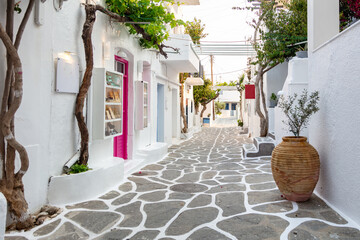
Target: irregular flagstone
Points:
(15, 238)
(200, 201)
(114, 234)
(319, 230)
(228, 166)
(144, 185)
(91, 205)
(249, 166)
(47, 228)
(207, 234)
(259, 178)
(153, 196)
(160, 180)
(153, 167)
(174, 167)
(188, 188)
(254, 226)
(158, 214)
(230, 203)
(231, 179)
(123, 199)
(96, 222)
(210, 182)
(250, 171)
(264, 196)
(126, 187)
(180, 196)
(263, 186)
(132, 215)
(229, 173)
(275, 207)
(110, 195)
(170, 174)
(317, 208)
(189, 170)
(266, 169)
(202, 169)
(189, 177)
(190, 219)
(145, 235)
(221, 159)
(144, 174)
(185, 162)
(208, 175)
(227, 188)
(67, 231)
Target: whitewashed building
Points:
(133, 107)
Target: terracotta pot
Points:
(295, 166)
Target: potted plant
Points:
(273, 100)
(240, 123)
(295, 163)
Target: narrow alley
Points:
(203, 189)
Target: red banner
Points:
(249, 91)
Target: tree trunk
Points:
(260, 96)
(203, 110)
(182, 109)
(86, 36)
(14, 188)
(241, 108)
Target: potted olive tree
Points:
(295, 163)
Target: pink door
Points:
(121, 142)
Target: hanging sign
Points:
(249, 91)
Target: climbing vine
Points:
(153, 14)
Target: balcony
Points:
(184, 61)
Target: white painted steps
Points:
(262, 146)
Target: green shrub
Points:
(79, 168)
(240, 123)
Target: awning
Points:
(194, 81)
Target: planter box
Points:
(79, 187)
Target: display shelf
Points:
(107, 103)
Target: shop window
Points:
(146, 104)
(233, 106)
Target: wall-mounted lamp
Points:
(67, 73)
(58, 4)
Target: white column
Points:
(323, 22)
(3, 211)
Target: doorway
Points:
(121, 142)
(160, 137)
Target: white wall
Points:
(295, 83)
(274, 80)
(334, 132)
(45, 122)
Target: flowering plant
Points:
(349, 12)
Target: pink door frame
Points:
(121, 142)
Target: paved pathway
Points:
(201, 190)
(225, 122)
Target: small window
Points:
(227, 106)
(233, 106)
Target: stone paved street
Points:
(201, 190)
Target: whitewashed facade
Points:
(45, 123)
